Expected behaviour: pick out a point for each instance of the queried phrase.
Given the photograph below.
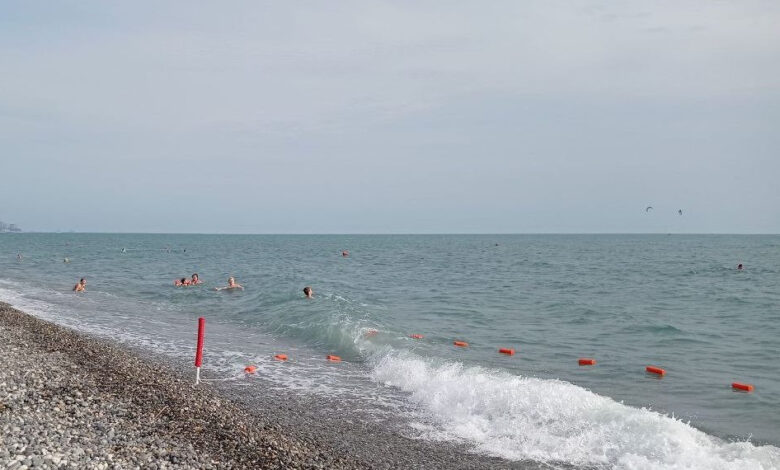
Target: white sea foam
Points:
(71, 317)
(501, 414)
(552, 421)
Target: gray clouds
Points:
(391, 116)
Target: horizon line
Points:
(388, 233)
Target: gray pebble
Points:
(99, 406)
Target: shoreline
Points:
(75, 401)
(70, 400)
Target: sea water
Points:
(673, 301)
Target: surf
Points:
(553, 421)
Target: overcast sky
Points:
(390, 117)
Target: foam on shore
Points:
(518, 418)
(500, 414)
(71, 401)
(142, 412)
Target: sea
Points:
(676, 302)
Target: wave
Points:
(657, 329)
(500, 414)
(553, 421)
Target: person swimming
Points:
(81, 286)
(739, 267)
(309, 292)
(181, 282)
(19, 256)
(66, 260)
(195, 279)
(232, 284)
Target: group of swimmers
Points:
(188, 282)
(195, 280)
(231, 284)
(81, 286)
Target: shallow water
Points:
(627, 300)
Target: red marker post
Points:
(199, 350)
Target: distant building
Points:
(4, 227)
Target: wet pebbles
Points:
(71, 401)
(68, 400)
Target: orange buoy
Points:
(655, 370)
(587, 361)
(743, 387)
(250, 369)
(507, 351)
(332, 358)
(281, 357)
(461, 344)
(416, 336)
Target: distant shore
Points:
(68, 400)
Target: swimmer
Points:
(124, 250)
(81, 286)
(195, 279)
(181, 282)
(309, 292)
(232, 284)
(19, 256)
(739, 267)
(66, 260)
(345, 253)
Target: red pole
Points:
(199, 350)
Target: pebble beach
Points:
(70, 400)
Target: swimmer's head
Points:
(231, 280)
(183, 280)
(308, 291)
(195, 277)
(739, 266)
(83, 281)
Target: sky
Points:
(391, 117)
